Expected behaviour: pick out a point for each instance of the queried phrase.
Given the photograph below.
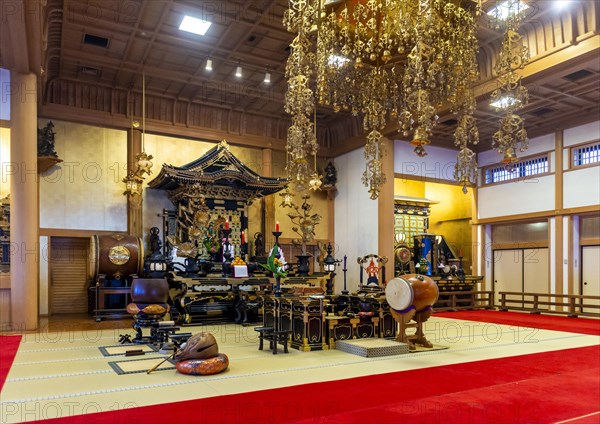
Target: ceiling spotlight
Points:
(194, 25)
(208, 66)
(267, 79)
(238, 71)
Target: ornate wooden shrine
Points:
(211, 193)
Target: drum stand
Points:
(404, 320)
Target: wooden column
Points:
(558, 205)
(555, 225)
(475, 247)
(558, 170)
(268, 202)
(385, 246)
(134, 203)
(24, 203)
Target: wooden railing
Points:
(460, 300)
(572, 305)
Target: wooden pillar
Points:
(134, 203)
(24, 203)
(385, 213)
(555, 253)
(557, 250)
(475, 247)
(268, 202)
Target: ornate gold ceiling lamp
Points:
(385, 59)
(510, 95)
(134, 179)
(465, 170)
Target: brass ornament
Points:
(395, 60)
(119, 255)
(510, 96)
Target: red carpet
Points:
(545, 322)
(538, 388)
(8, 349)
(531, 389)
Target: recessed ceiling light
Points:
(194, 25)
(507, 9)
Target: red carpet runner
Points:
(545, 322)
(8, 349)
(538, 388)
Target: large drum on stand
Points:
(411, 291)
(411, 297)
(116, 256)
(114, 259)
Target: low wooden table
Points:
(274, 337)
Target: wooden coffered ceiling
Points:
(95, 51)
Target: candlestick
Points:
(277, 226)
(345, 270)
(226, 225)
(243, 238)
(226, 252)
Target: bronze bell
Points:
(510, 156)
(420, 138)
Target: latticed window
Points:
(585, 155)
(524, 168)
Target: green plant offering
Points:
(274, 264)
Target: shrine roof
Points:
(218, 168)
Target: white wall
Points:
(85, 191)
(526, 196)
(537, 145)
(438, 164)
(356, 217)
(581, 187)
(582, 134)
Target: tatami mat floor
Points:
(63, 373)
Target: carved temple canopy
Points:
(220, 175)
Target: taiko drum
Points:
(411, 291)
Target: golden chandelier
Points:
(385, 60)
(510, 95)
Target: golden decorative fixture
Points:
(135, 178)
(304, 222)
(465, 170)
(287, 198)
(385, 59)
(510, 95)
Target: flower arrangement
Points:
(211, 244)
(275, 265)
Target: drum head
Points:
(399, 294)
